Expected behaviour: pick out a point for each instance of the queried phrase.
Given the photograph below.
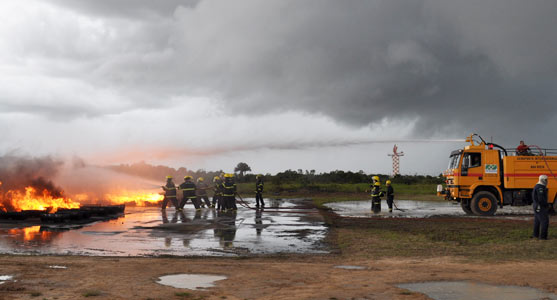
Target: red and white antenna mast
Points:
(396, 161)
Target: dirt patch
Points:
(286, 277)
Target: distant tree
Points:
(242, 168)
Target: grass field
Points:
(323, 193)
(478, 239)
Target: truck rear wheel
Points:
(465, 204)
(484, 204)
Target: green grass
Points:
(333, 192)
(483, 239)
(35, 294)
(92, 293)
(182, 294)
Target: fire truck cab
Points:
(484, 176)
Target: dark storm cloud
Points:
(454, 66)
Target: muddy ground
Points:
(392, 251)
(257, 278)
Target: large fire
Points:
(122, 196)
(33, 199)
(139, 198)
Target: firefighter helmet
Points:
(169, 177)
(187, 177)
(216, 178)
(377, 183)
(228, 175)
(388, 182)
(200, 179)
(375, 178)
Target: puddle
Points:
(420, 209)
(4, 278)
(350, 267)
(102, 232)
(453, 290)
(148, 231)
(57, 267)
(190, 281)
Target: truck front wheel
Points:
(465, 204)
(484, 204)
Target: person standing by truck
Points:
(390, 195)
(541, 209)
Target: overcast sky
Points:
(278, 84)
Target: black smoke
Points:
(17, 173)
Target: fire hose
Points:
(396, 207)
(545, 161)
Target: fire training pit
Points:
(66, 215)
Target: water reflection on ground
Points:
(454, 290)
(420, 209)
(146, 231)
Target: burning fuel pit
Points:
(148, 231)
(82, 215)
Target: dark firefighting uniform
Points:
(376, 194)
(169, 194)
(188, 189)
(217, 195)
(541, 211)
(390, 197)
(228, 193)
(259, 193)
(202, 193)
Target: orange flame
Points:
(122, 196)
(139, 198)
(31, 200)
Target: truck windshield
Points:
(454, 160)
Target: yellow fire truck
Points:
(484, 176)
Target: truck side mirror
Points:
(465, 164)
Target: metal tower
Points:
(396, 161)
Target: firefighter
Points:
(169, 193)
(229, 192)
(376, 194)
(390, 195)
(217, 193)
(259, 191)
(188, 189)
(523, 149)
(541, 209)
(202, 188)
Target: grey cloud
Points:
(456, 66)
(127, 8)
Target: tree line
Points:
(305, 177)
